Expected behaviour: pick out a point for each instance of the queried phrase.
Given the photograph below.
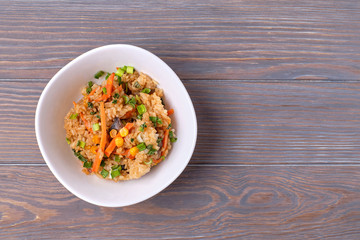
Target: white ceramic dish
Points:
(56, 100)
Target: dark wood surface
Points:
(276, 89)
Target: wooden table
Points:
(276, 90)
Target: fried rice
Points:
(120, 129)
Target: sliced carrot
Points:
(87, 124)
(128, 114)
(74, 104)
(170, 112)
(110, 148)
(129, 125)
(109, 87)
(92, 92)
(103, 139)
(119, 88)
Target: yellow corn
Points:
(133, 151)
(96, 139)
(119, 141)
(113, 133)
(93, 149)
(124, 132)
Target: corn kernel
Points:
(96, 139)
(124, 132)
(93, 149)
(113, 133)
(119, 141)
(133, 151)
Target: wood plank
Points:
(239, 122)
(261, 39)
(205, 202)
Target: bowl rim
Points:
(58, 175)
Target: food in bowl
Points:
(120, 129)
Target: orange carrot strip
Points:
(87, 124)
(129, 125)
(170, 112)
(164, 147)
(109, 85)
(110, 148)
(92, 92)
(103, 139)
(74, 104)
(128, 114)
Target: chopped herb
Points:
(80, 144)
(79, 156)
(138, 100)
(171, 134)
(107, 76)
(126, 99)
(141, 109)
(162, 157)
(88, 90)
(169, 126)
(116, 167)
(149, 162)
(90, 105)
(115, 173)
(119, 80)
(99, 74)
(124, 68)
(104, 90)
(141, 146)
(95, 127)
(117, 158)
(151, 149)
(155, 120)
(90, 84)
(159, 140)
(142, 127)
(68, 141)
(130, 69)
(88, 164)
(116, 96)
(132, 102)
(173, 140)
(102, 164)
(114, 101)
(119, 72)
(98, 116)
(92, 113)
(132, 140)
(104, 173)
(73, 116)
(146, 90)
(137, 84)
(139, 117)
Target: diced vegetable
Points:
(88, 164)
(101, 149)
(132, 102)
(93, 149)
(68, 141)
(107, 76)
(104, 90)
(141, 146)
(136, 84)
(124, 132)
(142, 127)
(79, 156)
(119, 141)
(116, 96)
(126, 99)
(146, 90)
(133, 151)
(119, 72)
(149, 162)
(90, 105)
(95, 127)
(117, 158)
(170, 112)
(96, 139)
(74, 115)
(80, 144)
(104, 173)
(155, 120)
(99, 74)
(141, 109)
(129, 69)
(151, 149)
(114, 101)
(129, 125)
(172, 138)
(113, 133)
(115, 173)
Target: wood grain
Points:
(239, 122)
(207, 203)
(261, 39)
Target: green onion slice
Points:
(141, 109)
(129, 69)
(104, 173)
(146, 90)
(141, 146)
(95, 127)
(99, 74)
(119, 72)
(87, 164)
(73, 116)
(68, 141)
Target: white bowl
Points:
(56, 101)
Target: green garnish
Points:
(95, 127)
(155, 120)
(142, 126)
(90, 83)
(124, 68)
(99, 74)
(68, 141)
(172, 138)
(138, 99)
(139, 117)
(151, 149)
(129, 69)
(73, 116)
(141, 109)
(104, 90)
(132, 140)
(88, 90)
(126, 99)
(132, 102)
(169, 126)
(102, 164)
(115, 173)
(116, 95)
(92, 113)
(80, 144)
(162, 157)
(87, 164)
(104, 173)
(149, 162)
(98, 116)
(119, 80)
(114, 101)
(90, 105)
(119, 72)
(159, 140)
(126, 88)
(141, 146)
(79, 156)
(146, 90)
(107, 76)
(117, 158)
(137, 84)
